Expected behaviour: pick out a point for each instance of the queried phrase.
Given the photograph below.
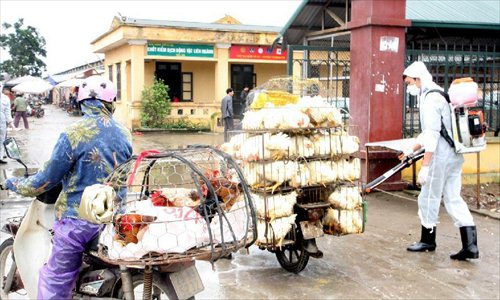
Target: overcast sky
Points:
(69, 26)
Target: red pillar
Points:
(376, 84)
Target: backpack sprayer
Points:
(467, 125)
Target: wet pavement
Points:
(372, 265)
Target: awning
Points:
(33, 86)
(70, 82)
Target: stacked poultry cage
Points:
(300, 163)
(177, 206)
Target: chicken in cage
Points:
(300, 161)
(182, 204)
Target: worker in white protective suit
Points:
(441, 171)
(5, 120)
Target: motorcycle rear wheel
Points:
(293, 258)
(161, 290)
(6, 261)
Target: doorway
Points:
(171, 74)
(241, 75)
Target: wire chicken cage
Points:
(177, 206)
(301, 164)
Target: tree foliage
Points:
(155, 104)
(26, 48)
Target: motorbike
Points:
(27, 250)
(72, 107)
(35, 109)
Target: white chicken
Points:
(292, 117)
(277, 145)
(234, 145)
(265, 146)
(272, 117)
(349, 169)
(301, 177)
(320, 112)
(250, 173)
(276, 173)
(322, 172)
(343, 221)
(277, 230)
(346, 197)
(253, 120)
(301, 146)
(275, 206)
(334, 117)
(326, 143)
(349, 144)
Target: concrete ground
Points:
(374, 264)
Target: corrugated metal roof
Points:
(199, 25)
(308, 18)
(454, 11)
(473, 14)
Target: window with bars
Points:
(187, 86)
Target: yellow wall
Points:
(149, 73)
(203, 80)
(211, 76)
(267, 71)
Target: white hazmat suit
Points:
(445, 168)
(5, 118)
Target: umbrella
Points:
(33, 86)
(19, 80)
(70, 82)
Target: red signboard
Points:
(256, 52)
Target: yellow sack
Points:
(277, 98)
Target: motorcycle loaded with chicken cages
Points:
(159, 212)
(302, 167)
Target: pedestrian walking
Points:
(227, 112)
(5, 120)
(441, 171)
(21, 106)
(77, 163)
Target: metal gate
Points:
(329, 65)
(447, 63)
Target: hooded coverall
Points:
(85, 154)
(5, 118)
(445, 168)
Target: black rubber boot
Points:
(427, 241)
(469, 244)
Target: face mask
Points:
(109, 106)
(413, 90)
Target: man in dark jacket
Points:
(243, 97)
(227, 112)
